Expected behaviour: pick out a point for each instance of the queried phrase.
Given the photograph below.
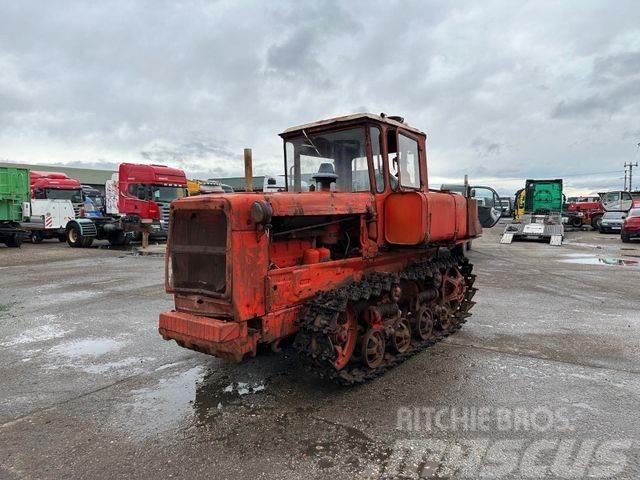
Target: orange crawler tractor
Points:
(358, 262)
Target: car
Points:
(631, 226)
(612, 222)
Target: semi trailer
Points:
(14, 193)
(137, 202)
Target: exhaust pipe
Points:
(248, 170)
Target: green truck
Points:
(14, 190)
(542, 216)
(543, 197)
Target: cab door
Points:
(489, 206)
(406, 213)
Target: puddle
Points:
(92, 347)
(101, 368)
(162, 407)
(586, 259)
(122, 248)
(41, 333)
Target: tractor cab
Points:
(358, 153)
(374, 154)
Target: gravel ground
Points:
(543, 381)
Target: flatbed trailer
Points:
(542, 217)
(535, 227)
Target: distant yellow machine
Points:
(193, 186)
(518, 210)
(198, 187)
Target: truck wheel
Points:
(119, 239)
(575, 222)
(87, 242)
(596, 222)
(14, 241)
(74, 237)
(36, 237)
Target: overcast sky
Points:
(504, 89)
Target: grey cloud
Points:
(504, 89)
(614, 67)
(486, 147)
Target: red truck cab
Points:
(148, 190)
(55, 186)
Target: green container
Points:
(14, 189)
(543, 196)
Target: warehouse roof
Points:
(86, 176)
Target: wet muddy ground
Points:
(90, 390)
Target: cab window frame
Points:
(375, 186)
(420, 151)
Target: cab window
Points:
(337, 158)
(408, 160)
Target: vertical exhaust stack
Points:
(248, 170)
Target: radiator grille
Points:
(164, 216)
(198, 251)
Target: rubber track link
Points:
(318, 318)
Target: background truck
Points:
(580, 211)
(55, 199)
(14, 192)
(542, 217)
(138, 198)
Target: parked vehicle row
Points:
(40, 205)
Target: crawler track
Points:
(320, 318)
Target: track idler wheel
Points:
(445, 320)
(401, 336)
(424, 324)
(373, 347)
(344, 338)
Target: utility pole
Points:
(630, 165)
(625, 179)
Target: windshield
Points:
(634, 212)
(58, 194)
(614, 215)
(96, 198)
(334, 160)
(168, 194)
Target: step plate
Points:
(506, 238)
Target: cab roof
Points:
(351, 119)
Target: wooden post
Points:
(248, 170)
